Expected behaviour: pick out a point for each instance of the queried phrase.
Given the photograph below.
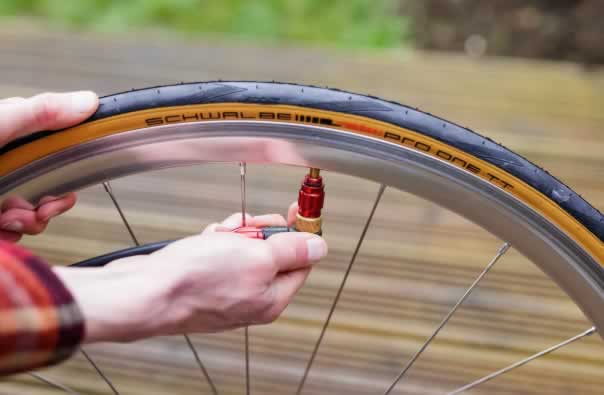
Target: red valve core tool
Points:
(253, 232)
(308, 218)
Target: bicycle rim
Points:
(500, 213)
(132, 150)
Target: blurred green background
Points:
(348, 23)
(548, 29)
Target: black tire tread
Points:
(350, 103)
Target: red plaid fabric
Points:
(40, 323)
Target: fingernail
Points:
(230, 226)
(316, 249)
(83, 102)
(48, 216)
(14, 226)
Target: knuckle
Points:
(211, 227)
(40, 227)
(46, 109)
(33, 230)
(271, 314)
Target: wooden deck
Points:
(412, 266)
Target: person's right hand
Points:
(211, 282)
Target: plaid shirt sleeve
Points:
(40, 323)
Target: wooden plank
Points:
(413, 265)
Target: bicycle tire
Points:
(347, 111)
(362, 116)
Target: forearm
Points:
(121, 302)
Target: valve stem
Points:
(310, 203)
(308, 218)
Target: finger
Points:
(53, 208)
(267, 220)
(21, 221)
(48, 198)
(10, 236)
(234, 221)
(295, 250)
(48, 111)
(284, 287)
(16, 202)
(215, 227)
(11, 100)
(292, 211)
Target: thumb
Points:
(296, 250)
(292, 211)
(47, 111)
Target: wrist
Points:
(119, 302)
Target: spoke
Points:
(522, 362)
(100, 372)
(53, 383)
(502, 250)
(242, 169)
(247, 361)
(200, 364)
(109, 191)
(340, 289)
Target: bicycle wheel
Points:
(357, 135)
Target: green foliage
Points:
(349, 23)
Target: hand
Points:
(20, 117)
(211, 282)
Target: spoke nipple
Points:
(107, 187)
(504, 248)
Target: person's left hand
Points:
(20, 117)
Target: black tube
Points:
(102, 260)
